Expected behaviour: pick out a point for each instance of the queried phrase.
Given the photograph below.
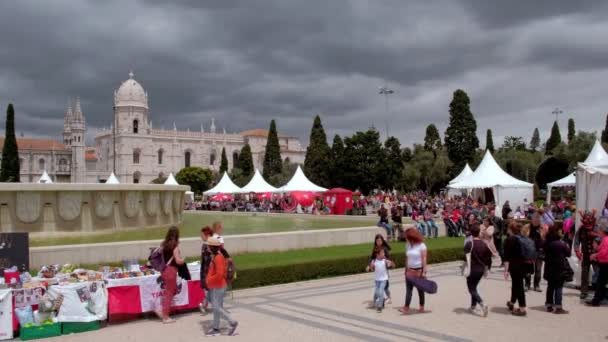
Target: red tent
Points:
(303, 198)
(339, 200)
(222, 197)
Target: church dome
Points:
(130, 93)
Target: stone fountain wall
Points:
(69, 207)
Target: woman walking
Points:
(381, 244)
(556, 252)
(481, 260)
(515, 267)
(415, 261)
(172, 254)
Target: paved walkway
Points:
(336, 310)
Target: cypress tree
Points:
(571, 130)
(535, 141)
(10, 153)
(337, 162)
(461, 139)
(489, 141)
(554, 140)
(273, 164)
(605, 132)
(246, 161)
(224, 162)
(316, 164)
(432, 140)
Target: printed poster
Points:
(151, 292)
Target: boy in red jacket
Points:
(216, 283)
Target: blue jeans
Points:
(432, 228)
(387, 227)
(379, 293)
(421, 228)
(554, 294)
(217, 301)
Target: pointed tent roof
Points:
(299, 182)
(45, 178)
(466, 171)
(225, 186)
(171, 180)
(258, 185)
(112, 179)
(597, 156)
(488, 175)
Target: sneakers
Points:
(212, 332)
(404, 310)
(378, 310)
(484, 310)
(549, 308)
(511, 306)
(389, 301)
(519, 312)
(232, 330)
(583, 296)
(561, 311)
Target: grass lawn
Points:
(262, 260)
(233, 224)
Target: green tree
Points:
(571, 130)
(246, 161)
(535, 141)
(489, 141)
(273, 164)
(393, 163)
(519, 163)
(432, 140)
(9, 171)
(224, 162)
(406, 154)
(197, 178)
(461, 139)
(577, 150)
(605, 132)
(364, 156)
(337, 162)
(513, 143)
(288, 169)
(425, 170)
(317, 161)
(554, 140)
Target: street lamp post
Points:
(386, 91)
(557, 112)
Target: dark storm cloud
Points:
(246, 62)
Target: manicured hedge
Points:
(255, 277)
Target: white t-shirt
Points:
(219, 238)
(414, 254)
(380, 270)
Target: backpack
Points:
(528, 248)
(230, 271)
(157, 259)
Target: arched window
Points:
(235, 159)
(187, 159)
(160, 156)
(41, 164)
(212, 158)
(135, 126)
(136, 177)
(136, 156)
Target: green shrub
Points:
(255, 277)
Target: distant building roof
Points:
(37, 144)
(260, 133)
(90, 155)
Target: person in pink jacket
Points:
(602, 259)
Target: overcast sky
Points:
(246, 62)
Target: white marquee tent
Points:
(112, 179)
(466, 171)
(257, 184)
(299, 182)
(171, 180)
(597, 156)
(504, 186)
(45, 178)
(225, 186)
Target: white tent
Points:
(504, 186)
(597, 156)
(112, 179)
(45, 178)
(299, 182)
(466, 171)
(257, 184)
(171, 180)
(225, 186)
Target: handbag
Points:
(566, 274)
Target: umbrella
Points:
(222, 197)
(266, 195)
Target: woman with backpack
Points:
(556, 254)
(173, 257)
(217, 284)
(516, 268)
